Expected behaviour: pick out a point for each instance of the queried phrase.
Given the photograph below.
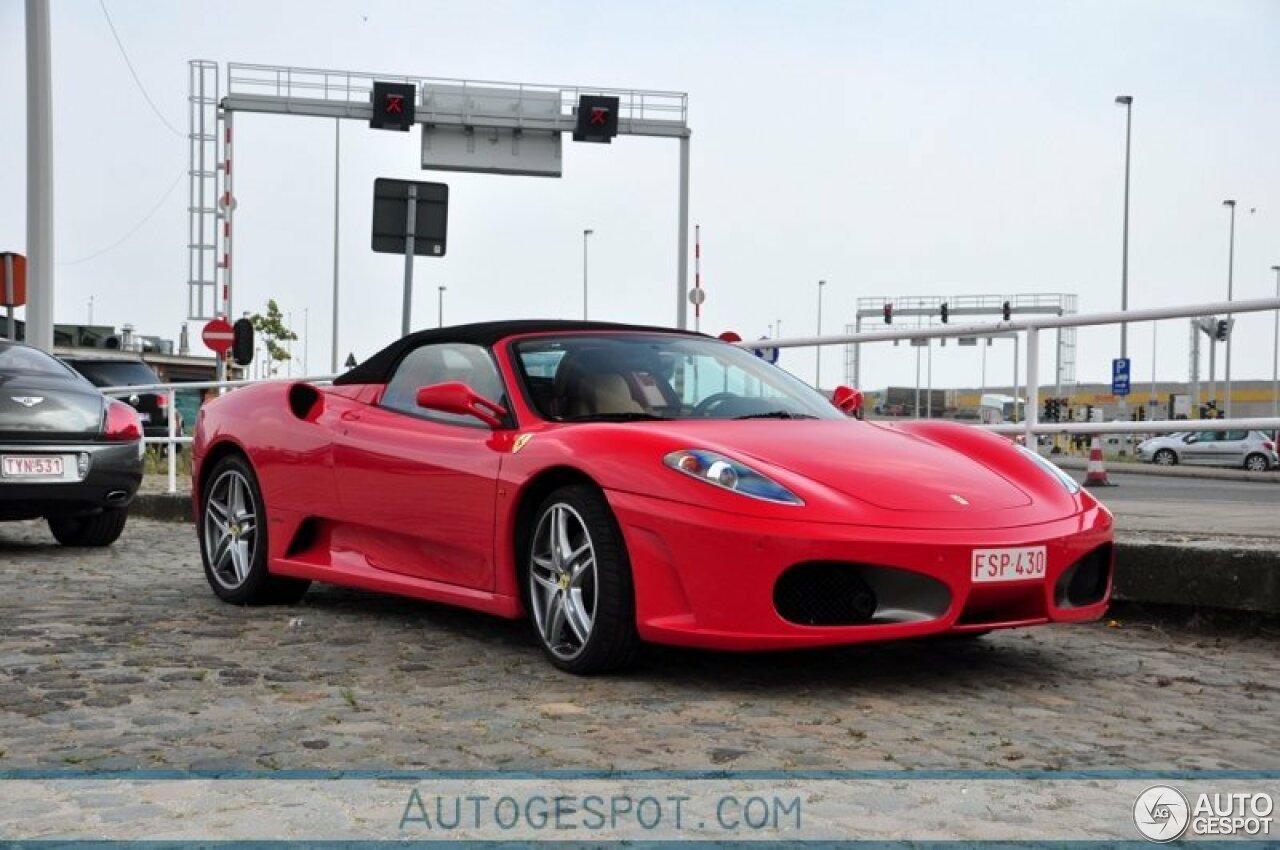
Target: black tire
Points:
(256, 586)
(1165, 457)
(1257, 463)
(612, 642)
(97, 530)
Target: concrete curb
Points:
(171, 507)
(1201, 574)
(1272, 477)
(1219, 573)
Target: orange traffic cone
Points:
(1097, 474)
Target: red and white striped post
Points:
(228, 203)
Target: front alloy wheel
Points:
(230, 529)
(580, 591)
(233, 539)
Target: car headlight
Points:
(727, 473)
(1051, 468)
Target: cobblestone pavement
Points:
(124, 659)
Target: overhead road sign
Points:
(490, 145)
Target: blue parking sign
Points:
(1120, 376)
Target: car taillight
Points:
(162, 400)
(123, 423)
(1268, 445)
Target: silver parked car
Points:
(1251, 449)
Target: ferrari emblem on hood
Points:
(27, 400)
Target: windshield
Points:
(116, 373)
(624, 377)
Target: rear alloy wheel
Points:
(1166, 457)
(581, 599)
(1257, 463)
(233, 539)
(98, 530)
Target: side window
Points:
(1235, 436)
(437, 364)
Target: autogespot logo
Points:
(1161, 813)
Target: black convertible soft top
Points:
(377, 369)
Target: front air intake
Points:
(824, 594)
(1085, 582)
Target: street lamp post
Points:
(1231, 265)
(440, 307)
(585, 234)
(1127, 102)
(1275, 354)
(817, 371)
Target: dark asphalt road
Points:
(1159, 488)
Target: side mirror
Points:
(458, 398)
(848, 400)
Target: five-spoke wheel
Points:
(230, 528)
(562, 581)
(233, 538)
(579, 583)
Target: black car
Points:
(67, 452)
(124, 371)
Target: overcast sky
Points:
(892, 148)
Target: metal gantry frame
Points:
(924, 311)
(320, 93)
(203, 124)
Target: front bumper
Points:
(115, 471)
(707, 578)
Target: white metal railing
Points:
(174, 439)
(1031, 425)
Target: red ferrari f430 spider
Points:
(619, 484)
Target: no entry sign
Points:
(218, 335)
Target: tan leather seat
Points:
(587, 388)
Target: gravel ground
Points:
(122, 658)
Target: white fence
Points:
(1030, 428)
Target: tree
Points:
(273, 331)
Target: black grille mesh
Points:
(824, 595)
